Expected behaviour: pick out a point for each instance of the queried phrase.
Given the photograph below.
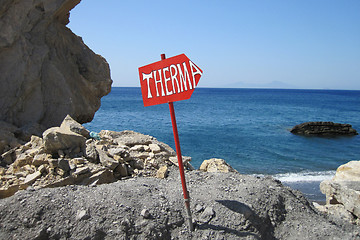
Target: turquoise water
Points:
(249, 128)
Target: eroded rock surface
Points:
(46, 70)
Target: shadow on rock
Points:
(252, 223)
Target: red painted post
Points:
(180, 162)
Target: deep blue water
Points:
(249, 128)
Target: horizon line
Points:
(334, 89)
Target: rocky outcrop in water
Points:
(46, 70)
(324, 129)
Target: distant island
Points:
(273, 84)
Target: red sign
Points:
(169, 80)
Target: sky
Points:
(307, 44)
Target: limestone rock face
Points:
(46, 70)
(348, 172)
(324, 129)
(344, 190)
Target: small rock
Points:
(42, 169)
(40, 159)
(145, 214)
(162, 172)
(30, 189)
(64, 164)
(60, 172)
(31, 178)
(101, 177)
(107, 161)
(154, 148)
(91, 153)
(82, 215)
(116, 151)
(81, 170)
(79, 160)
(122, 170)
(137, 148)
(36, 141)
(9, 156)
(207, 215)
(215, 165)
(53, 163)
(198, 208)
(22, 160)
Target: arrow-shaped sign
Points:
(169, 80)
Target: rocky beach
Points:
(58, 180)
(126, 185)
(224, 206)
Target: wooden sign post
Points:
(167, 81)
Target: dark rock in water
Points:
(324, 129)
(46, 70)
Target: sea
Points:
(248, 128)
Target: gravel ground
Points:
(223, 205)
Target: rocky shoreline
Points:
(224, 206)
(51, 190)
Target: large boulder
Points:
(72, 125)
(46, 70)
(344, 189)
(348, 172)
(216, 165)
(56, 139)
(324, 129)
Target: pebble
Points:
(145, 213)
(82, 215)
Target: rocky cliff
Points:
(46, 70)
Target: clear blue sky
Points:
(300, 44)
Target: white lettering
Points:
(147, 77)
(166, 80)
(192, 66)
(173, 77)
(183, 78)
(158, 81)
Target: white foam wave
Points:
(305, 176)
